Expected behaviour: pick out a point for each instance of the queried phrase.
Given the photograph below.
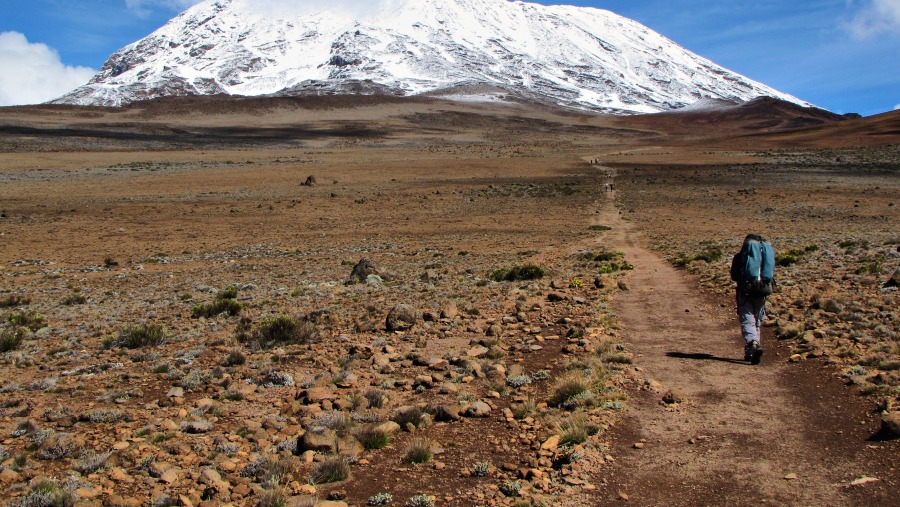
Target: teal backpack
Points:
(754, 266)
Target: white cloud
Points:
(875, 17)
(897, 107)
(33, 73)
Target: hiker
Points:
(753, 268)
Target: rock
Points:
(478, 409)
(622, 285)
(551, 443)
(9, 476)
(175, 392)
(449, 311)
(673, 396)
(791, 477)
(362, 270)
(402, 317)
(444, 413)
(890, 426)
(324, 440)
(171, 475)
(331, 503)
(894, 280)
(555, 297)
(317, 395)
(477, 351)
(388, 427)
(310, 181)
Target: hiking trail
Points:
(777, 433)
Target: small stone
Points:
(478, 409)
(790, 477)
(551, 443)
(175, 392)
(623, 496)
(638, 445)
(673, 396)
(890, 426)
(402, 318)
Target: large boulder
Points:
(402, 318)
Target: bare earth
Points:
(543, 391)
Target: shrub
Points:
(31, 320)
(566, 392)
(75, 298)
(575, 429)
(335, 420)
(333, 469)
(90, 462)
(229, 292)
(234, 358)
(271, 498)
(518, 273)
(599, 228)
(526, 408)
(375, 397)
(409, 415)
(481, 469)
(381, 499)
(518, 380)
(10, 338)
(140, 336)
(13, 301)
(230, 307)
(418, 450)
(280, 330)
(103, 415)
(46, 493)
(420, 501)
(371, 438)
(511, 488)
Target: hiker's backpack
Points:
(754, 266)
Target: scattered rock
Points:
(890, 426)
(310, 181)
(362, 270)
(478, 409)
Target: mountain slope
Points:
(579, 57)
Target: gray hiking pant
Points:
(751, 312)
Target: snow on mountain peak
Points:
(572, 56)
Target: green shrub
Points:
(140, 336)
(371, 438)
(575, 429)
(409, 415)
(217, 307)
(599, 228)
(47, 493)
(229, 292)
(418, 451)
(31, 320)
(333, 469)
(271, 498)
(567, 391)
(13, 301)
(10, 338)
(280, 330)
(234, 358)
(518, 273)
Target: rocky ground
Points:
(193, 320)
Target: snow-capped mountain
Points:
(573, 56)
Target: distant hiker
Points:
(753, 268)
(606, 187)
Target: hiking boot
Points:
(753, 353)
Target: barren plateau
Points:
(373, 300)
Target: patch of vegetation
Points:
(381, 499)
(271, 498)
(420, 501)
(409, 415)
(599, 228)
(30, 320)
(710, 252)
(372, 438)
(276, 331)
(75, 298)
(518, 273)
(234, 358)
(333, 469)
(481, 469)
(229, 307)
(10, 338)
(511, 488)
(575, 429)
(140, 336)
(46, 493)
(418, 451)
(569, 390)
(794, 255)
(13, 301)
(611, 262)
(90, 462)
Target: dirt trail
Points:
(743, 430)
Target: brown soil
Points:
(147, 211)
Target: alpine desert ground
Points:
(369, 300)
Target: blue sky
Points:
(843, 55)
